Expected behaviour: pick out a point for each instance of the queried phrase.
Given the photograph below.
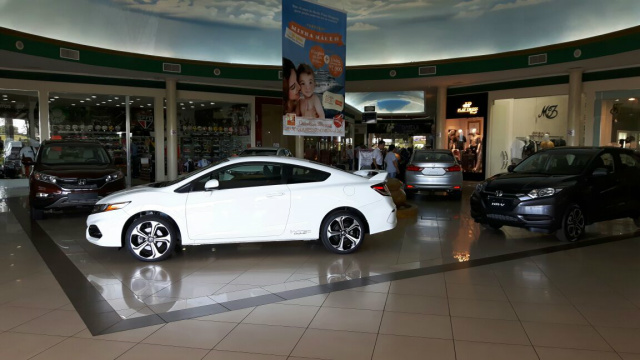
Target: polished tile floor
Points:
(436, 287)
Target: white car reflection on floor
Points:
(245, 199)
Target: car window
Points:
(298, 174)
(242, 175)
(629, 161)
(433, 157)
(606, 161)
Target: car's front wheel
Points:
(573, 223)
(342, 232)
(151, 238)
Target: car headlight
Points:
(44, 177)
(115, 176)
(109, 207)
(537, 193)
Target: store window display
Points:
(546, 142)
(211, 130)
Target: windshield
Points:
(184, 176)
(555, 163)
(74, 154)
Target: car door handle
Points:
(275, 194)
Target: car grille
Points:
(502, 217)
(81, 183)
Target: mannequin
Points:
(517, 148)
(546, 142)
(461, 140)
(529, 147)
(473, 141)
(452, 139)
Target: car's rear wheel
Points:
(342, 232)
(37, 214)
(151, 238)
(573, 223)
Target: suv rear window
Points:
(67, 154)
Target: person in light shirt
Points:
(377, 156)
(391, 161)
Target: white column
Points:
(441, 118)
(574, 121)
(299, 151)
(127, 131)
(158, 120)
(43, 116)
(172, 130)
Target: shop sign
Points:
(468, 108)
(312, 127)
(549, 111)
(145, 121)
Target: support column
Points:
(299, 151)
(574, 120)
(172, 131)
(43, 116)
(441, 117)
(158, 125)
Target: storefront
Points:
(465, 131)
(523, 126)
(618, 118)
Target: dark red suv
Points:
(71, 173)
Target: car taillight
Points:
(381, 189)
(412, 167)
(453, 168)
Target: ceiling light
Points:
(56, 97)
(109, 100)
(148, 104)
(104, 102)
(4, 95)
(138, 99)
(141, 106)
(51, 99)
(115, 97)
(13, 101)
(632, 99)
(73, 104)
(81, 101)
(212, 103)
(88, 99)
(190, 102)
(93, 96)
(201, 104)
(181, 104)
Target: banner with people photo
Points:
(313, 69)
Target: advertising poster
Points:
(313, 69)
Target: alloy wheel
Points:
(150, 240)
(575, 223)
(344, 233)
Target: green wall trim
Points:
(518, 84)
(150, 84)
(609, 44)
(611, 74)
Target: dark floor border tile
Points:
(90, 305)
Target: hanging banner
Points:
(313, 69)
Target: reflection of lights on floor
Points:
(462, 256)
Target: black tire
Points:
(492, 226)
(573, 223)
(37, 214)
(139, 232)
(342, 232)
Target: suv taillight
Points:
(381, 189)
(412, 167)
(453, 168)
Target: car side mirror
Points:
(27, 161)
(510, 168)
(600, 172)
(211, 185)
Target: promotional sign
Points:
(467, 106)
(313, 69)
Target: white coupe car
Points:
(245, 199)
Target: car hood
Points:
(128, 194)
(75, 171)
(522, 183)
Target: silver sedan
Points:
(434, 170)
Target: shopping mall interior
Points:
(166, 86)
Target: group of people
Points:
(298, 87)
(392, 159)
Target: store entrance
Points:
(465, 140)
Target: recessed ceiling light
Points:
(104, 102)
(13, 101)
(57, 97)
(212, 103)
(4, 95)
(632, 99)
(141, 106)
(109, 100)
(116, 98)
(88, 99)
(93, 96)
(181, 104)
(81, 101)
(138, 99)
(182, 108)
(51, 99)
(201, 104)
(117, 105)
(73, 104)
(148, 104)
(190, 102)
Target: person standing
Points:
(377, 156)
(349, 154)
(391, 161)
